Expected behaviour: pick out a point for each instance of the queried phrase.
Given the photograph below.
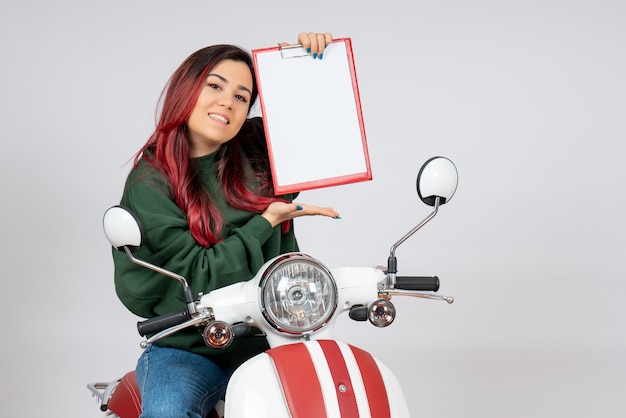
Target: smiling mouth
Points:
(218, 118)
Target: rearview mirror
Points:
(438, 177)
(121, 228)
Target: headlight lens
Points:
(298, 294)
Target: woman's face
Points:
(221, 109)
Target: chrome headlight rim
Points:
(280, 262)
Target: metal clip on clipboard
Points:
(292, 51)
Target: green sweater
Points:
(248, 242)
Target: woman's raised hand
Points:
(313, 42)
(279, 212)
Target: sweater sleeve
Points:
(168, 243)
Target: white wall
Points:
(528, 98)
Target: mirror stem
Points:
(181, 279)
(392, 266)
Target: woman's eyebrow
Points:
(226, 81)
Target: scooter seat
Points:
(126, 400)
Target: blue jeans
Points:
(176, 383)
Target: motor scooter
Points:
(295, 300)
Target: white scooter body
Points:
(258, 389)
(239, 302)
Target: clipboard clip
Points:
(292, 51)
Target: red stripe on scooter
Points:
(374, 384)
(341, 378)
(299, 381)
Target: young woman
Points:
(201, 188)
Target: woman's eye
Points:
(213, 86)
(241, 98)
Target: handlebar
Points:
(421, 283)
(162, 322)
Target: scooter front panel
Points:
(254, 391)
(315, 379)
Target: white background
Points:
(528, 98)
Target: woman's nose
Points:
(226, 100)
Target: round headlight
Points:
(298, 294)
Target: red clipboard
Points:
(312, 117)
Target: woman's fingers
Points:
(314, 42)
(278, 212)
(308, 210)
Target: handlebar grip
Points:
(161, 322)
(423, 283)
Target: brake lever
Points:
(434, 296)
